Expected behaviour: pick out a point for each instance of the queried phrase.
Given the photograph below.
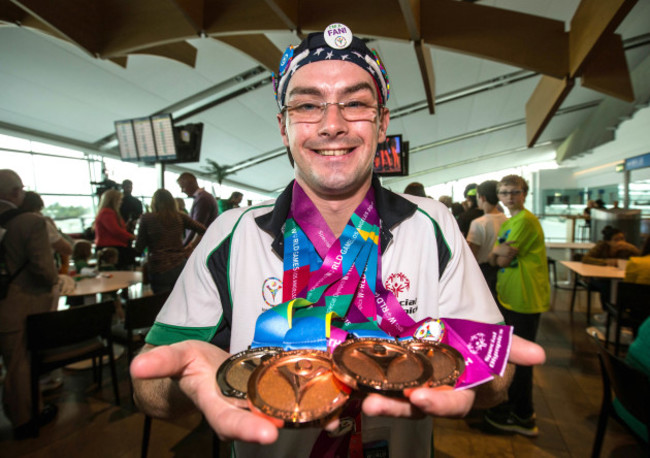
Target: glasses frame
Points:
(323, 108)
(516, 192)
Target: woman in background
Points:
(613, 247)
(161, 232)
(110, 229)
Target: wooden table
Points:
(106, 282)
(592, 271)
(570, 245)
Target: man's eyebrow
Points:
(307, 90)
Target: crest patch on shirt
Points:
(272, 291)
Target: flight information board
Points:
(126, 140)
(144, 139)
(163, 132)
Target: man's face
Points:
(333, 157)
(127, 188)
(188, 187)
(512, 197)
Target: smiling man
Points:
(331, 93)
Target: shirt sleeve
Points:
(189, 223)
(476, 234)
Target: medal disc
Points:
(448, 364)
(233, 374)
(297, 387)
(380, 366)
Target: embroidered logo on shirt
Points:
(398, 283)
(272, 291)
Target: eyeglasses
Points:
(311, 111)
(510, 193)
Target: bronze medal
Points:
(380, 366)
(297, 387)
(233, 374)
(448, 364)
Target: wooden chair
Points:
(56, 339)
(630, 310)
(631, 387)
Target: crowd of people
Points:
(478, 266)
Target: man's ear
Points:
(384, 120)
(283, 129)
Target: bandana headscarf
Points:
(336, 43)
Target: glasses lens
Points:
(314, 111)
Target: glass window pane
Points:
(61, 176)
(71, 214)
(21, 163)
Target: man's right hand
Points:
(190, 367)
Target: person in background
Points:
(108, 259)
(110, 229)
(456, 209)
(82, 251)
(523, 292)
(472, 211)
(62, 248)
(483, 231)
(415, 189)
(231, 202)
(637, 269)
(332, 115)
(28, 255)
(446, 200)
(161, 232)
(204, 208)
(610, 249)
(180, 205)
(131, 207)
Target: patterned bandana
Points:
(336, 43)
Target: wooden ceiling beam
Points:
(593, 20)
(543, 103)
(411, 14)
(425, 62)
(193, 11)
(287, 11)
(76, 20)
(606, 70)
(181, 51)
(257, 46)
(241, 16)
(10, 13)
(522, 40)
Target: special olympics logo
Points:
(477, 343)
(341, 42)
(398, 283)
(271, 291)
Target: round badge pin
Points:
(433, 330)
(297, 387)
(380, 366)
(233, 374)
(447, 362)
(338, 36)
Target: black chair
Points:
(631, 387)
(56, 339)
(552, 267)
(139, 316)
(630, 310)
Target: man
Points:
(484, 229)
(204, 208)
(28, 256)
(523, 292)
(231, 202)
(131, 208)
(332, 115)
(471, 209)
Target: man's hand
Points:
(192, 367)
(506, 249)
(447, 402)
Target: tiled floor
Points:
(567, 396)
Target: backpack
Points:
(5, 276)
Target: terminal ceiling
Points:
(475, 86)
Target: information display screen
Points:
(126, 140)
(163, 133)
(144, 139)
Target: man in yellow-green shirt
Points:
(523, 293)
